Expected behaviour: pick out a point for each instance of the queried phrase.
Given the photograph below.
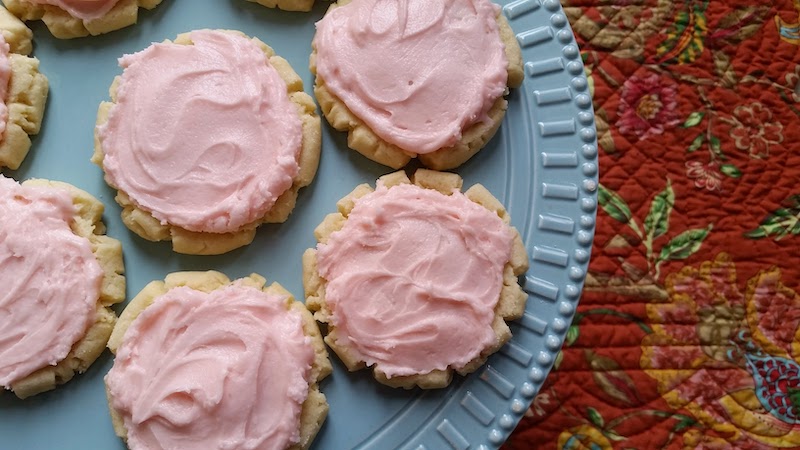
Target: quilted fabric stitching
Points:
(718, 282)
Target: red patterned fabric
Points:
(688, 333)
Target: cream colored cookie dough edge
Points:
(16, 34)
(516, 73)
(315, 408)
(108, 252)
(188, 242)
(63, 26)
(311, 144)
(26, 99)
(362, 139)
(510, 305)
(287, 5)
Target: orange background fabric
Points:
(688, 332)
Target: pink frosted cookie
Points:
(206, 363)
(416, 279)
(67, 19)
(205, 139)
(60, 276)
(23, 91)
(415, 79)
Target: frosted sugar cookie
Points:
(60, 276)
(415, 79)
(23, 91)
(416, 279)
(286, 5)
(206, 363)
(67, 19)
(206, 138)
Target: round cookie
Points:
(23, 91)
(259, 351)
(416, 279)
(59, 283)
(441, 104)
(287, 5)
(202, 161)
(68, 19)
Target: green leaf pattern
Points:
(696, 143)
(730, 170)
(655, 225)
(572, 335)
(595, 417)
(684, 245)
(694, 119)
(657, 221)
(613, 205)
(780, 223)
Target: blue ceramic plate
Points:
(542, 165)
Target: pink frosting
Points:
(222, 370)
(50, 279)
(5, 77)
(81, 9)
(413, 279)
(418, 72)
(202, 136)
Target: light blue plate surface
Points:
(542, 165)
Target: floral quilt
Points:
(688, 332)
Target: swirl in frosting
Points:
(50, 277)
(202, 136)
(413, 278)
(81, 9)
(417, 72)
(227, 369)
